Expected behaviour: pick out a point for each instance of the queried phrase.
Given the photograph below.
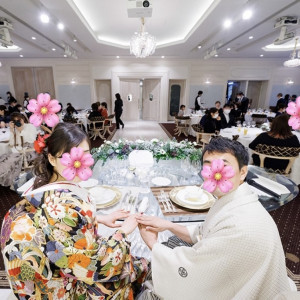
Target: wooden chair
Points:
(108, 124)
(182, 125)
(276, 152)
(198, 130)
(27, 163)
(96, 127)
(205, 138)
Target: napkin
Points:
(271, 185)
(140, 158)
(144, 205)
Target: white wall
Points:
(196, 72)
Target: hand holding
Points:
(154, 223)
(148, 236)
(110, 220)
(129, 224)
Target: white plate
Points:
(161, 181)
(88, 183)
(184, 197)
(102, 195)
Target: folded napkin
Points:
(271, 185)
(140, 158)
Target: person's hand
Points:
(148, 236)
(218, 118)
(110, 220)
(2, 124)
(154, 223)
(129, 224)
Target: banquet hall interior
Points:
(158, 56)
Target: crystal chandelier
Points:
(142, 44)
(294, 61)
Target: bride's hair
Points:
(64, 137)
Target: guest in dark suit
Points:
(227, 117)
(3, 115)
(12, 106)
(94, 113)
(198, 101)
(118, 111)
(212, 122)
(243, 102)
(281, 109)
(280, 100)
(218, 107)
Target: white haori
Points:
(237, 255)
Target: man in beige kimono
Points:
(236, 252)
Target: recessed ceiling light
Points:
(117, 56)
(207, 81)
(250, 37)
(227, 23)
(216, 55)
(65, 55)
(162, 56)
(247, 14)
(53, 49)
(45, 18)
(74, 40)
(261, 55)
(21, 55)
(60, 26)
(290, 81)
(73, 81)
(199, 47)
(33, 38)
(228, 49)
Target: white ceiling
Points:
(103, 29)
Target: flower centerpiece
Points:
(161, 150)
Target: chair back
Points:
(277, 152)
(259, 118)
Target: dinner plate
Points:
(105, 196)
(199, 206)
(192, 198)
(161, 181)
(88, 183)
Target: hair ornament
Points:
(40, 143)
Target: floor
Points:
(141, 129)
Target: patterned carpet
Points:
(168, 128)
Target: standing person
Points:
(10, 97)
(50, 241)
(279, 100)
(243, 102)
(118, 111)
(12, 106)
(237, 251)
(198, 101)
(218, 107)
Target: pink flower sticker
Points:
(77, 163)
(217, 175)
(293, 109)
(44, 110)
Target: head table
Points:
(117, 173)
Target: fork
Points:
(162, 201)
(168, 202)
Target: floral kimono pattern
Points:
(51, 250)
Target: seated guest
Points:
(280, 100)
(236, 111)
(104, 112)
(50, 241)
(181, 111)
(99, 106)
(2, 101)
(22, 135)
(3, 116)
(10, 97)
(236, 252)
(12, 106)
(212, 122)
(73, 109)
(279, 135)
(203, 119)
(280, 109)
(218, 106)
(227, 117)
(293, 98)
(70, 111)
(95, 112)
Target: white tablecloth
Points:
(83, 118)
(252, 133)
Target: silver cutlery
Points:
(123, 203)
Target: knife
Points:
(124, 199)
(262, 188)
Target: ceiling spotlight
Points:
(33, 38)
(199, 47)
(216, 55)
(60, 26)
(250, 37)
(53, 49)
(73, 81)
(45, 18)
(261, 55)
(65, 55)
(21, 55)
(247, 14)
(228, 49)
(74, 40)
(207, 81)
(162, 56)
(227, 23)
(117, 56)
(290, 81)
